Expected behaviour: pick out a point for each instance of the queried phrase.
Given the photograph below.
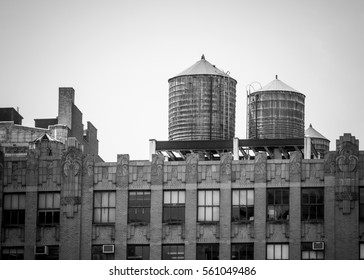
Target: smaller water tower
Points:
(276, 111)
(320, 142)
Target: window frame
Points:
(174, 208)
(180, 248)
(309, 205)
(145, 251)
(241, 207)
(96, 250)
(307, 247)
(109, 209)
(245, 247)
(214, 247)
(14, 212)
(215, 217)
(279, 207)
(361, 204)
(55, 211)
(143, 207)
(275, 247)
(19, 253)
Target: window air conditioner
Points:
(320, 245)
(40, 250)
(108, 249)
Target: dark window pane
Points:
(278, 197)
(305, 197)
(250, 216)
(320, 212)
(270, 196)
(305, 212)
(285, 194)
(56, 217)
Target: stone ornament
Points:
(88, 165)
(260, 165)
(226, 159)
(157, 165)
(295, 163)
(191, 164)
(347, 160)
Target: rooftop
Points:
(277, 85)
(202, 67)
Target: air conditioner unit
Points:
(108, 249)
(40, 250)
(318, 246)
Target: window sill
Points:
(278, 221)
(208, 223)
(313, 221)
(174, 223)
(47, 225)
(242, 222)
(138, 223)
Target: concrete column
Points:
(236, 148)
(156, 212)
(190, 223)
(295, 221)
(307, 147)
(225, 221)
(260, 192)
(152, 148)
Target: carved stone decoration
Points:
(157, 169)
(330, 163)
(347, 159)
(225, 167)
(122, 170)
(295, 163)
(88, 165)
(32, 168)
(191, 168)
(260, 167)
(71, 185)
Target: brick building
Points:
(213, 199)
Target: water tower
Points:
(202, 103)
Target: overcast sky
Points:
(118, 56)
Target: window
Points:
(138, 252)
(48, 208)
(362, 251)
(243, 205)
(208, 206)
(361, 204)
(242, 251)
(307, 252)
(97, 254)
(14, 253)
(277, 252)
(139, 207)
(207, 251)
(174, 207)
(14, 209)
(53, 254)
(277, 204)
(173, 252)
(312, 200)
(104, 207)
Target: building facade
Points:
(59, 200)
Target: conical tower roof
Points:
(202, 67)
(313, 133)
(277, 85)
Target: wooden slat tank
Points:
(202, 104)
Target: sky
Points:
(118, 56)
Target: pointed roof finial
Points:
(310, 125)
(276, 77)
(203, 56)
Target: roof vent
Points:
(203, 56)
(276, 77)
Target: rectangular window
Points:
(174, 207)
(278, 204)
(242, 251)
(173, 252)
(361, 204)
(312, 204)
(48, 208)
(208, 206)
(308, 253)
(104, 207)
(277, 251)
(12, 253)
(242, 205)
(207, 251)
(14, 209)
(97, 253)
(53, 254)
(139, 207)
(138, 252)
(361, 251)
